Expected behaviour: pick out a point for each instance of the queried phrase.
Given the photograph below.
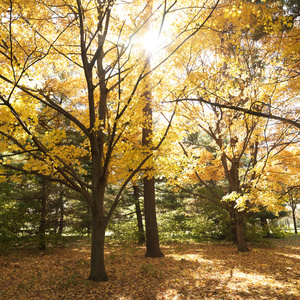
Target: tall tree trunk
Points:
(97, 272)
(141, 237)
(99, 222)
(61, 217)
(99, 168)
(240, 233)
(294, 220)
(152, 239)
(42, 227)
(56, 223)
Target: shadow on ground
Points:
(196, 271)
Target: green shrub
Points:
(202, 228)
(56, 240)
(170, 226)
(123, 230)
(279, 231)
(174, 226)
(254, 233)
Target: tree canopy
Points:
(75, 83)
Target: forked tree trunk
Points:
(240, 233)
(98, 272)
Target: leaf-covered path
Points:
(188, 271)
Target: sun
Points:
(150, 42)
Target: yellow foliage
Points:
(240, 57)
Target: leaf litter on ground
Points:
(188, 271)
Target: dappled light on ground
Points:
(196, 271)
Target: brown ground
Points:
(196, 271)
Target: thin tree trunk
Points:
(294, 220)
(88, 223)
(97, 272)
(62, 210)
(56, 223)
(141, 237)
(42, 227)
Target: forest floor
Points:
(188, 271)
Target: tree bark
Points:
(240, 234)
(152, 239)
(294, 220)
(141, 237)
(42, 227)
(99, 222)
(88, 223)
(97, 272)
(61, 217)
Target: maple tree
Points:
(275, 26)
(234, 75)
(76, 92)
(284, 172)
(73, 68)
